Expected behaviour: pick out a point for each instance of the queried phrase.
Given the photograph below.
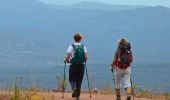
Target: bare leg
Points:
(129, 93)
(118, 94)
(129, 90)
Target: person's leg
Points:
(118, 95)
(129, 94)
(128, 91)
(72, 79)
(72, 76)
(73, 85)
(117, 76)
(79, 78)
(127, 83)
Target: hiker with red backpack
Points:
(77, 54)
(121, 68)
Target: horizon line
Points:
(72, 4)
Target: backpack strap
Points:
(83, 46)
(127, 51)
(117, 52)
(73, 46)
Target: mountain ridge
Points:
(30, 32)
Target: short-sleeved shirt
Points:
(70, 49)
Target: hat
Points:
(123, 40)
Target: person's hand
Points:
(112, 68)
(112, 65)
(65, 60)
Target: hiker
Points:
(77, 56)
(121, 68)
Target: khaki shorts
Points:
(122, 76)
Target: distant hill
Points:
(36, 34)
(87, 5)
(34, 14)
(147, 28)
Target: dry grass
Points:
(106, 91)
(50, 95)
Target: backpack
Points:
(124, 55)
(79, 54)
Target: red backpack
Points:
(123, 55)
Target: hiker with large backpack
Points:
(121, 68)
(77, 56)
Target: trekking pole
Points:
(132, 88)
(114, 79)
(88, 80)
(113, 72)
(64, 81)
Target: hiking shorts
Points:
(122, 76)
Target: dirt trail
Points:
(68, 96)
(86, 96)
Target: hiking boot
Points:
(77, 98)
(128, 98)
(118, 97)
(74, 94)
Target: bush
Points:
(62, 84)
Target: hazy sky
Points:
(126, 2)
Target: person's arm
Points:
(131, 58)
(86, 56)
(113, 63)
(67, 57)
(114, 60)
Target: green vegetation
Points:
(105, 90)
(16, 94)
(143, 92)
(165, 93)
(33, 93)
(62, 84)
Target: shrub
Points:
(62, 84)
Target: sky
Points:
(122, 2)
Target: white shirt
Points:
(70, 48)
